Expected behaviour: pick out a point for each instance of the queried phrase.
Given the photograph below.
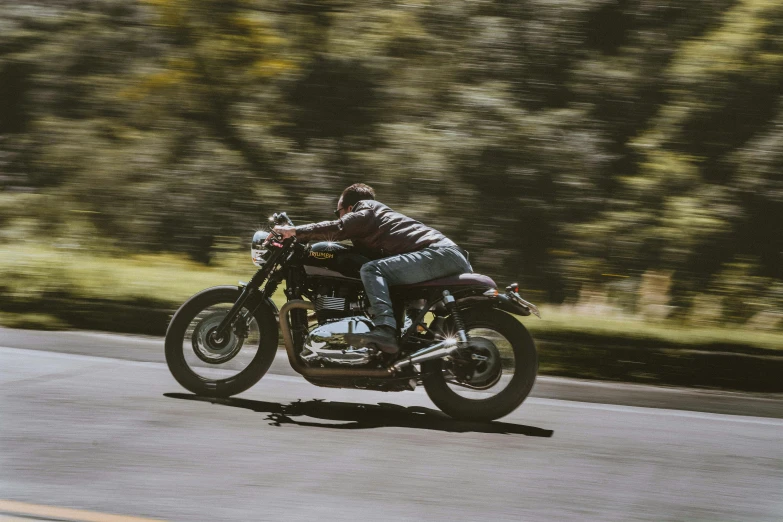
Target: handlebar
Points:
(278, 219)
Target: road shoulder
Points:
(150, 349)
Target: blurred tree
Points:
(565, 144)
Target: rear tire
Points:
(494, 406)
(250, 375)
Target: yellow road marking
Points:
(8, 508)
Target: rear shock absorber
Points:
(451, 306)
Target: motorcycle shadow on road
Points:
(365, 416)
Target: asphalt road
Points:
(112, 432)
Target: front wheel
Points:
(222, 367)
(491, 388)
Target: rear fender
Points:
(507, 304)
(503, 302)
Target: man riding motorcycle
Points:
(404, 251)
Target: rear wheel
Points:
(215, 367)
(476, 385)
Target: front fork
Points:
(248, 290)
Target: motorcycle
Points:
(459, 337)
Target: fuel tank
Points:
(330, 259)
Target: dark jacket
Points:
(376, 230)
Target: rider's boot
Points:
(382, 337)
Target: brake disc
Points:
(207, 348)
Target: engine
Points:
(339, 310)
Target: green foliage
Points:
(568, 145)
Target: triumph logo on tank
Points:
(321, 255)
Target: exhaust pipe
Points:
(320, 373)
(436, 351)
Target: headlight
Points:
(258, 249)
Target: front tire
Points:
(203, 375)
(487, 407)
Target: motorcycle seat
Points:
(471, 279)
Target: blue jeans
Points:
(406, 269)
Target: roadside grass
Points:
(30, 273)
(561, 323)
(31, 278)
(61, 288)
(32, 321)
(71, 288)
